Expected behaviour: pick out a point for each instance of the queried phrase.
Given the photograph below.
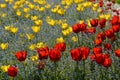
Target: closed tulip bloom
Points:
(116, 28)
(107, 62)
(91, 30)
(102, 23)
(61, 46)
(12, 71)
(97, 50)
(109, 33)
(114, 20)
(98, 42)
(117, 52)
(21, 55)
(85, 52)
(94, 22)
(76, 28)
(76, 54)
(99, 58)
(107, 46)
(92, 57)
(43, 52)
(83, 27)
(54, 55)
(101, 36)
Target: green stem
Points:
(101, 75)
(55, 75)
(84, 73)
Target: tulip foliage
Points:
(59, 40)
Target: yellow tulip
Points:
(34, 58)
(14, 30)
(30, 36)
(74, 38)
(18, 13)
(32, 47)
(60, 40)
(3, 5)
(5, 68)
(26, 10)
(40, 45)
(64, 26)
(38, 22)
(36, 29)
(4, 46)
(34, 18)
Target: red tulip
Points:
(92, 57)
(60, 46)
(116, 28)
(83, 27)
(114, 20)
(94, 22)
(97, 50)
(85, 52)
(91, 30)
(12, 71)
(117, 52)
(101, 3)
(109, 33)
(102, 23)
(99, 58)
(76, 54)
(43, 53)
(21, 55)
(54, 55)
(101, 36)
(107, 62)
(98, 42)
(107, 46)
(76, 28)
(106, 55)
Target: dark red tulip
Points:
(43, 52)
(76, 54)
(107, 46)
(61, 46)
(102, 23)
(101, 3)
(106, 55)
(99, 58)
(21, 55)
(109, 33)
(101, 36)
(12, 71)
(54, 55)
(94, 22)
(83, 27)
(114, 20)
(117, 52)
(76, 28)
